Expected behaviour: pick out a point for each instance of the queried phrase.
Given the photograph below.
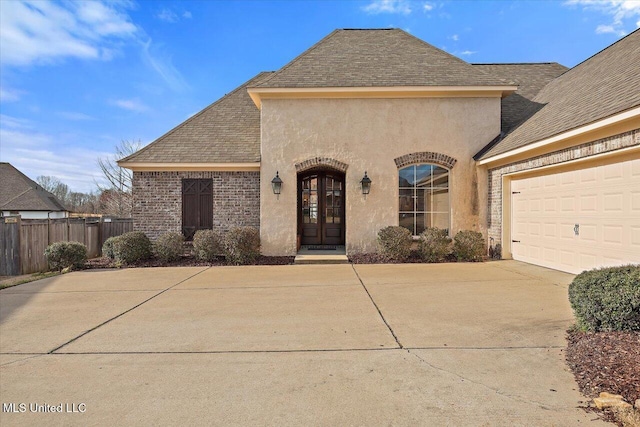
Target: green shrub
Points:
(607, 299)
(169, 247)
(395, 243)
(207, 245)
(131, 247)
(434, 245)
(469, 246)
(242, 245)
(107, 248)
(62, 255)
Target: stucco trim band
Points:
(258, 94)
(425, 157)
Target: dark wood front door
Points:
(197, 206)
(321, 208)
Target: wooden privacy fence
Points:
(23, 241)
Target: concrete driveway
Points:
(444, 344)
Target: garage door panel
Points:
(587, 261)
(589, 203)
(612, 172)
(612, 234)
(566, 231)
(587, 176)
(635, 201)
(613, 202)
(604, 201)
(635, 238)
(588, 232)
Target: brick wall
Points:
(157, 200)
(604, 145)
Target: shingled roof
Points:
(530, 79)
(227, 131)
(603, 85)
(19, 193)
(376, 58)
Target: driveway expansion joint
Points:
(493, 389)
(125, 312)
(377, 308)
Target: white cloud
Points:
(70, 115)
(619, 11)
(468, 52)
(35, 154)
(42, 32)
(9, 95)
(388, 6)
(163, 65)
(167, 16)
(455, 37)
(13, 122)
(609, 29)
(427, 7)
(130, 104)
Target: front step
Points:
(320, 259)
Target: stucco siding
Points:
(367, 135)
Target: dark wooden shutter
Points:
(197, 206)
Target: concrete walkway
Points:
(444, 344)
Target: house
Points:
(20, 195)
(544, 161)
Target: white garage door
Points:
(578, 220)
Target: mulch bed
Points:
(185, 261)
(605, 361)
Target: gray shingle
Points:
(377, 58)
(227, 131)
(19, 193)
(603, 85)
(530, 78)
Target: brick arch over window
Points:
(425, 157)
(321, 162)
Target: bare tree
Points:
(118, 181)
(54, 186)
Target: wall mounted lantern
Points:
(276, 184)
(366, 184)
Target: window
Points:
(424, 197)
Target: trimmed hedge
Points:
(207, 245)
(131, 247)
(61, 255)
(434, 245)
(242, 245)
(107, 247)
(607, 299)
(469, 246)
(169, 247)
(395, 243)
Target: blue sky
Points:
(78, 77)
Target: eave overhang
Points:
(603, 128)
(179, 167)
(257, 94)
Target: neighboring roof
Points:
(605, 84)
(530, 78)
(227, 131)
(376, 58)
(19, 193)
